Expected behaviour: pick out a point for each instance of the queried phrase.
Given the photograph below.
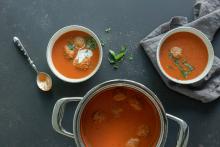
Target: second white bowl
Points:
(205, 40)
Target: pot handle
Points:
(58, 112)
(183, 134)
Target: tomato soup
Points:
(183, 56)
(75, 54)
(120, 117)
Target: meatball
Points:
(84, 65)
(119, 96)
(133, 142)
(135, 104)
(116, 111)
(70, 52)
(143, 131)
(176, 52)
(98, 116)
(79, 42)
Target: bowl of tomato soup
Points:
(185, 55)
(74, 53)
(118, 113)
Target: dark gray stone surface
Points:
(25, 111)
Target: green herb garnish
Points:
(116, 66)
(184, 73)
(107, 30)
(170, 55)
(130, 57)
(120, 55)
(70, 46)
(115, 58)
(112, 53)
(184, 61)
(111, 61)
(91, 43)
(190, 67)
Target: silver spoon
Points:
(44, 81)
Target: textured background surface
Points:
(25, 111)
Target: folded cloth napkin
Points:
(207, 20)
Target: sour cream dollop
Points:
(83, 59)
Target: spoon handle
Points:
(19, 45)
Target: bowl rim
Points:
(56, 36)
(204, 39)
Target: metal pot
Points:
(59, 108)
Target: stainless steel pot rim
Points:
(127, 83)
(59, 109)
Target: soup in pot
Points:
(120, 117)
(183, 56)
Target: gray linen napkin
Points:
(207, 20)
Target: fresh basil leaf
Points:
(115, 58)
(113, 54)
(111, 61)
(121, 54)
(116, 66)
(70, 46)
(130, 58)
(184, 61)
(184, 73)
(170, 55)
(91, 43)
(190, 67)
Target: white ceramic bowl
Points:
(209, 47)
(50, 48)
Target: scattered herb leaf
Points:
(184, 61)
(91, 43)
(107, 30)
(170, 55)
(111, 61)
(116, 66)
(70, 46)
(113, 54)
(115, 58)
(184, 73)
(121, 54)
(130, 57)
(191, 68)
